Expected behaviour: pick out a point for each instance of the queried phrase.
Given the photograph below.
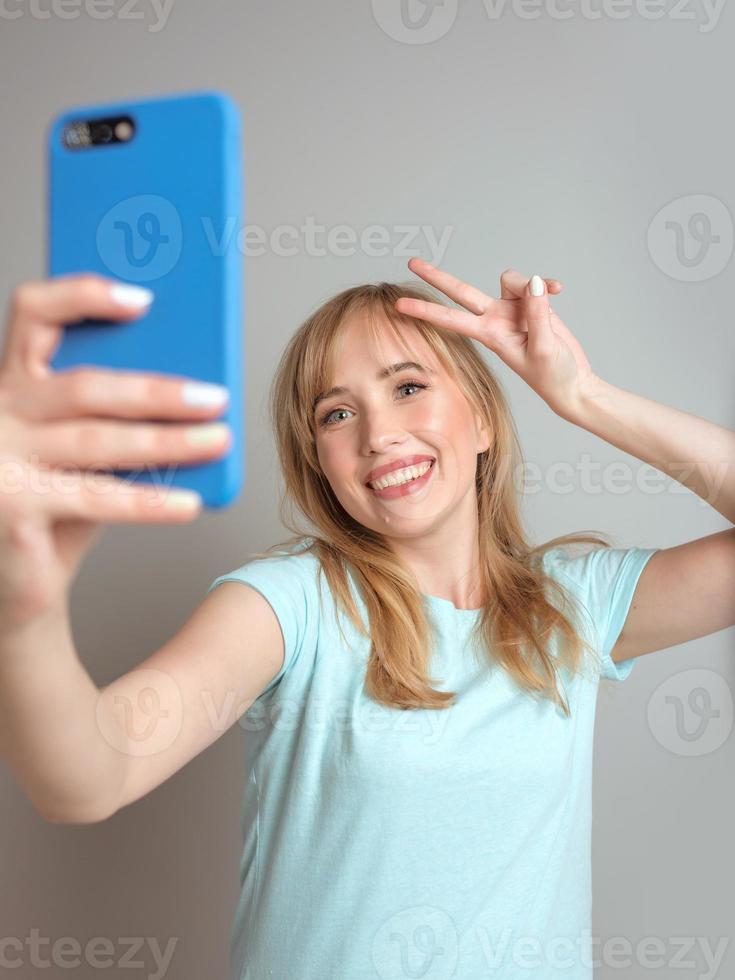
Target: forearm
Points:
(697, 453)
(50, 735)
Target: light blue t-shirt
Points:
(382, 843)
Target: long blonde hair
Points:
(515, 627)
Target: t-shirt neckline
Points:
(447, 606)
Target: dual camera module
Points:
(81, 134)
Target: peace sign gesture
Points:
(520, 327)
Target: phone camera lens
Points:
(104, 133)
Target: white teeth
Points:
(397, 477)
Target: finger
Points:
(117, 394)
(504, 319)
(30, 492)
(39, 310)
(492, 329)
(114, 501)
(460, 292)
(441, 316)
(536, 308)
(513, 284)
(126, 445)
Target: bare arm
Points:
(683, 593)
(686, 591)
(81, 753)
(49, 736)
(204, 678)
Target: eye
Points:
(324, 420)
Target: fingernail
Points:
(181, 500)
(203, 394)
(207, 435)
(537, 286)
(135, 297)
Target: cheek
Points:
(462, 414)
(453, 425)
(447, 418)
(430, 413)
(333, 459)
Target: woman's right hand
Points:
(59, 429)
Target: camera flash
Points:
(123, 130)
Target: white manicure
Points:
(134, 296)
(537, 286)
(203, 394)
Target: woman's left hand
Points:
(520, 328)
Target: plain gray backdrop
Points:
(537, 136)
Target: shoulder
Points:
(287, 579)
(294, 557)
(602, 581)
(290, 573)
(590, 566)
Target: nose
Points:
(379, 429)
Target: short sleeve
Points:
(282, 580)
(605, 581)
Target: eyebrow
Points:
(385, 372)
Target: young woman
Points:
(416, 681)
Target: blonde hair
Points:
(515, 627)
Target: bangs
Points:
(381, 319)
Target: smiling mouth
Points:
(403, 482)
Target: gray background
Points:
(548, 144)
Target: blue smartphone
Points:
(150, 193)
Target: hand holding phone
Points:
(149, 193)
(62, 432)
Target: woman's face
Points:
(378, 421)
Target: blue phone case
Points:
(162, 210)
